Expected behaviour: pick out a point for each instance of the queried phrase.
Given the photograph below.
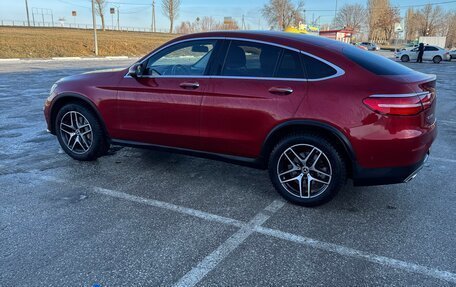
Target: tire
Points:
(405, 58)
(80, 133)
(329, 168)
(437, 59)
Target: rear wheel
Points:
(80, 133)
(307, 169)
(405, 58)
(437, 59)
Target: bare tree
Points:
(283, 13)
(451, 32)
(208, 24)
(100, 6)
(204, 25)
(429, 20)
(381, 19)
(232, 25)
(171, 11)
(351, 16)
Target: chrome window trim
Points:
(339, 71)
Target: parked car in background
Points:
(452, 54)
(360, 46)
(311, 110)
(370, 46)
(431, 53)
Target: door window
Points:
(290, 66)
(430, 48)
(248, 59)
(184, 59)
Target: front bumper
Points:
(382, 176)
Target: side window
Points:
(290, 66)
(430, 48)
(183, 59)
(316, 69)
(248, 59)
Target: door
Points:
(430, 52)
(414, 54)
(162, 106)
(255, 86)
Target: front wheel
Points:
(80, 133)
(405, 58)
(307, 169)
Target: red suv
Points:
(311, 110)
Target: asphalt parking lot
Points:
(146, 218)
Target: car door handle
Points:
(280, 91)
(189, 86)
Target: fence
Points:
(58, 24)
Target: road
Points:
(146, 218)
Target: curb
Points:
(67, 59)
(10, 60)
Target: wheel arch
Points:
(66, 98)
(326, 130)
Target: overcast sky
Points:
(137, 13)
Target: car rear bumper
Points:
(382, 176)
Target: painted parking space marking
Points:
(254, 226)
(211, 261)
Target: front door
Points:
(162, 107)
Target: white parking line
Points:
(172, 207)
(443, 159)
(358, 254)
(448, 122)
(213, 259)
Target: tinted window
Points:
(290, 66)
(248, 59)
(188, 58)
(430, 48)
(316, 69)
(374, 63)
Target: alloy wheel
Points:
(76, 132)
(304, 171)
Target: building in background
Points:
(343, 35)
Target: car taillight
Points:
(401, 105)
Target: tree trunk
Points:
(102, 22)
(171, 22)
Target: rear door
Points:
(162, 107)
(430, 52)
(253, 87)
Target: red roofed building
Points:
(343, 35)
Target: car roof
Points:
(294, 40)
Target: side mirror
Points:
(136, 70)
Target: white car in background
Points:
(431, 53)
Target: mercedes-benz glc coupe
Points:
(312, 111)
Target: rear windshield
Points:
(374, 63)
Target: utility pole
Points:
(243, 27)
(118, 22)
(335, 14)
(153, 28)
(28, 16)
(94, 21)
